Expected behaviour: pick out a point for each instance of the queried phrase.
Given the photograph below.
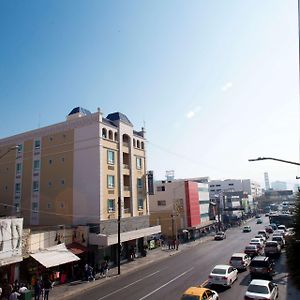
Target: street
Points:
(169, 278)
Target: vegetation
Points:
(293, 247)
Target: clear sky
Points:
(214, 82)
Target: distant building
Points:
(216, 187)
(267, 182)
(279, 185)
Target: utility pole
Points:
(119, 235)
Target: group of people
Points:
(90, 274)
(17, 290)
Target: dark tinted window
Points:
(259, 263)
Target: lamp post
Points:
(277, 159)
(9, 149)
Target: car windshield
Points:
(250, 247)
(190, 297)
(253, 288)
(277, 238)
(236, 258)
(219, 271)
(220, 233)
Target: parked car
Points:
(272, 248)
(261, 266)
(223, 275)
(199, 293)
(264, 233)
(279, 239)
(269, 229)
(240, 261)
(246, 229)
(257, 242)
(252, 250)
(259, 221)
(220, 236)
(261, 289)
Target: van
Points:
(240, 261)
(261, 266)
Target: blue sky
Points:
(215, 82)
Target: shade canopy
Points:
(54, 256)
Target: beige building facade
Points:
(73, 172)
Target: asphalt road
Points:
(169, 278)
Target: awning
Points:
(108, 240)
(77, 248)
(54, 256)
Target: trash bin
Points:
(27, 295)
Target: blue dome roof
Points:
(117, 116)
(78, 109)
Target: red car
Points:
(269, 229)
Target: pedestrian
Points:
(90, 273)
(177, 244)
(37, 289)
(86, 272)
(173, 244)
(14, 295)
(47, 285)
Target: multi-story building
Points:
(216, 187)
(75, 173)
(180, 205)
(279, 185)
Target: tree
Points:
(293, 247)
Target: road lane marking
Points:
(146, 296)
(128, 285)
(203, 284)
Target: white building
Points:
(234, 185)
(279, 185)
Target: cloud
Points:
(226, 86)
(193, 112)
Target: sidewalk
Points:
(65, 291)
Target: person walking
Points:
(47, 285)
(37, 289)
(177, 243)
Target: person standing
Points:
(47, 285)
(37, 289)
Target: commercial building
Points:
(75, 173)
(180, 206)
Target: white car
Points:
(261, 289)
(282, 227)
(240, 261)
(223, 275)
(261, 237)
(257, 242)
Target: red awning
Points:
(77, 248)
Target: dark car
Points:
(272, 248)
(269, 229)
(259, 221)
(220, 236)
(261, 267)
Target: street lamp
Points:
(277, 159)
(8, 150)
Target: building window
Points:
(139, 183)
(140, 203)
(104, 133)
(212, 185)
(49, 183)
(35, 206)
(35, 186)
(50, 161)
(231, 184)
(37, 144)
(48, 205)
(142, 145)
(18, 168)
(110, 135)
(62, 182)
(17, 207)
(50, 138)
(139, 163)
(138, 144)
(62, 205)
(36, 165)
(110, 181)
(212, 190)
(110, 157)
(20, 148)
(218, 184)
(111, 205)
(133, 141)
(62, 159)
(116, 136)
(161, 188)
(161, 203)
(18, 187)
